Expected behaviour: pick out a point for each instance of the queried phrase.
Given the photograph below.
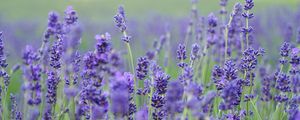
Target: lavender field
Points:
(110, 60)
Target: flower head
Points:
(142, 68)
(70, 16)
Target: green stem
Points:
(150, 100)
(226, 37)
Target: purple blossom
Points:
(15, 113)
(70, 16)
(34, 86)
(103, 48)
(161, 82)
(120, 19)
(266, 88)
(142, 68)
(52, 83)
(249, 4)
(181, 55)
(29, 56)
(283, 82)
(56, 54)
(211, 31)
(231, 95)
(195, 52)
(3, 63)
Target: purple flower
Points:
(76, 60)
(230, 70)
(217, 77)
(103, 48)
(211, 31)
(181, 55)
(249, 59)
(56, 54)
(195, 52)
(285, 49)
(248, 5)
(294, 61)
(120, 19)
(34, 85)
(187, 75)
(15, 113)
(52, 24)
(142, 68)
(266, 88)
(283, 82)
(158, 101)
(181, 52)
(223, 3)
(161, 81)
(3, 63)
(70, 16)
(212, 20)
(52, 83)
(231, 95)
(281, 98)
(29, 56)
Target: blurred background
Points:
(24, 21)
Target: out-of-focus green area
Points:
(103, 10)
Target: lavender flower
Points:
(29, 56)
(15, 113)
(223, 3)
(181, 54)
(161, 81)
(70, 16)
(103, 48)
(52, 83)
(195, 52)
(34, 85)
(52, 24)
(231, 95)
(187, 75)
(266, 88)
(56, 53)
(3, 63)
(230, 70)
(120, 19)
(248, 5)
(285, 50)
(283, 82)
(211, 31)
(249, 59)
(142, 68)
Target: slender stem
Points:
(150, 100)
(226, 37)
